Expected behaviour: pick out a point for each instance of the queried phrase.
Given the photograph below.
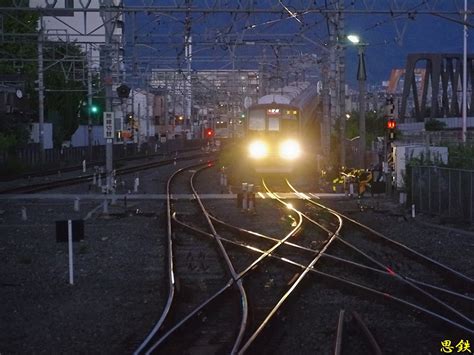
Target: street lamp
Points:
(362, 78)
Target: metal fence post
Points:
(429, 189)
(472, 197)
(439, 193)
(420, 190)
(449, 193)
(461, 205)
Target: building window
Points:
(69, 4)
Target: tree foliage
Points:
(20, 30)
(434, 125)
(374, 125)
(16, 50)
(63, 103)
(62, 61)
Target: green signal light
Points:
(242, 115)
(94, 109)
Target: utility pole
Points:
(107, 18)
(147, 113)
(464, 77)
(41, 89)
(362, 78)
(326, 126)
(188, 56)
(342, 82)
(89, 101)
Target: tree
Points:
(64, 101)
(61, 60)
(375, 125)
(16, 50)
(434, 125)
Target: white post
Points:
(69, 242)
(94, 179)
(249, 197)
(244, 196)
(76, 204)
(136, 184)
(84, 166)
(413, 211)
(24, 216)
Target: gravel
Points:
(120, 281)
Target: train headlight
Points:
(258, 150)
(290, 150)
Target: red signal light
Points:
(209, 133)
(391, 124)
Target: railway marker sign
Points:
(109, 125)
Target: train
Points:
(281, 134)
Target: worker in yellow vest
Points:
(364, 179)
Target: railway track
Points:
(397, 260)
(65, 169)
(271, 284)
(262, 272)
(89, 177)
(195, 265)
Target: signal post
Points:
(391, 126)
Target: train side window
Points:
(273, 123)
(257, 120)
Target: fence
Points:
(30, 157)
(448, 193)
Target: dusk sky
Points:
(390, 38)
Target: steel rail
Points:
(81, 179)
(383, 272)
(336, 278)
(171, 276)
(368, 334)
(40, 173)
(230, 266)
(297, 281)
(400, 245)
(405, 280)
(265, 254)
(380, 235)
(189, 316)
(339, 333)
(397, 275)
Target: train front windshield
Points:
(274, 121)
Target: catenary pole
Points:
(464, 78)
(41, 89)
(362, 78)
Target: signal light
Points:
(209, 133)
(94, 109)
(123, 91)
(391, 124)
